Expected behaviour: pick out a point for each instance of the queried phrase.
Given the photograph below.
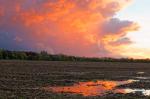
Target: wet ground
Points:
(91, 88)
(74, 80)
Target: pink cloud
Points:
(82, 28)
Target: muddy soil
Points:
(25, 79)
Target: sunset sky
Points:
(91, 28)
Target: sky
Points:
(91, 28)
(137, 11)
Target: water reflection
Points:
(140, 73)
(138, 91)
(90, 88)
(144, 78)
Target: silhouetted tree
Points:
(1, 54)
(43, 55)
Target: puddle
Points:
(143, 78)
(140, 73)
(97, 88)
(134, 91)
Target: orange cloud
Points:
(1, 12)
(74, 27)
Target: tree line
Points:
(43, 55)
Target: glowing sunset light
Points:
(91, 28)
(97, 88)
